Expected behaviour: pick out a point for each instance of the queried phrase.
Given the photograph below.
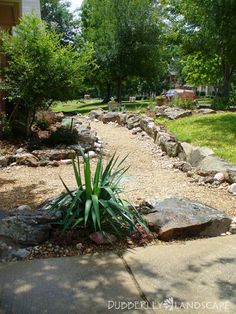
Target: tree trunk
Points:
(119, 90)
(108, 94)
(227, 79)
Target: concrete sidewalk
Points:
(200, 274)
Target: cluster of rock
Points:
(87, 140)
(23, 231)
(202, 159)
(174, 113)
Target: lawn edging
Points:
(203, 159)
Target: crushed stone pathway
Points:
(150, 175)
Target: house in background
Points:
(10, 12)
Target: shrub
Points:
(63, 135)
(96, 202)
(40, 70)
(183, 103)
(220, 103)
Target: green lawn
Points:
(81, 106)
(217, 131)
(77, 105)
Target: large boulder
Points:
(86, 135)
(148, 125)
(26, 159)
(26, 228)
(110, 117)
(172, 113)
(96, 114)
(182, 218)
(121, 120)
(169, 144)
(198, 154)
(133, 121)
(54, 154)
(213, 164)
(186, 150)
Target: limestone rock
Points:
(54, 154)
(86, 135)
(110, 117)
(20, 151)
(198, 154)
(231, 171)
(212, 164)
(26, 159)
(232, 189)
(169, 144)
(96, 114)
(147, 125)
(206, 111)
(172, 113)
(26, 228)
(179, 218)
(186, 150)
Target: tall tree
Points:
(60, 19)
(40, 70)
(126, 38)
(208, 27)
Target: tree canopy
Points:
(60, 19)
(207, 28)
(40, 69)
(126, 38)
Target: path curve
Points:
(150, 175)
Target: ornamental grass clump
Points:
(96, 204)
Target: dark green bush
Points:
(63, 135)
(220, 103)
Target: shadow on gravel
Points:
(20, 195)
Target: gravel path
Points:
(150, 175)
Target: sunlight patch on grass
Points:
(217, 131)
(81, 106)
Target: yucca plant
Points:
(95, 204)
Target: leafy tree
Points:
(60, 19)
(208, 27)
(40, 70)
(126, 38)
(199, 70)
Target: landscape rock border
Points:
(203, 159)
(87, 140)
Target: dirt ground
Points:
(150, 175)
